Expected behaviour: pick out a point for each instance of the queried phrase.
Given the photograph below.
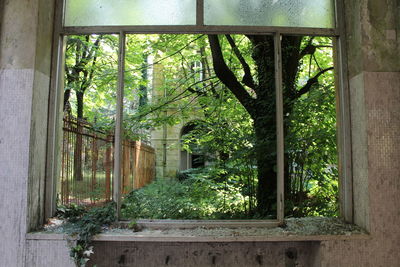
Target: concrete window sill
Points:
(155, 236)
(305, 229)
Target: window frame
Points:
(341, 84)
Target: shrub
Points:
(195, 197)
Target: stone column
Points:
(25, 57)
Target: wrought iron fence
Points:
(87, 164)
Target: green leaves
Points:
(311, 137)
(198, 196)
(84, 224)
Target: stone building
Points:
(166, 140)
(372, 56)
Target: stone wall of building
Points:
(166, 139)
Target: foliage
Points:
(84, 224)
(71, 213)
(196, 197)
(230, 152)
(311, 141)
(91, 78)
(226, 133)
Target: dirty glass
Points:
(127, 12)
(285, 13)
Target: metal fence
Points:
(87, 164)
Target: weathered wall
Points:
(374, 65)
(372, 35)
(380, 205)
(373, 46)
(25, 49)
(124, 254)
(47, 253)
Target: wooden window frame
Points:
(341, 82)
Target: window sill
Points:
(157, 236)
(306, 229)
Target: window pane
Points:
(192, 150)
(287, 13)
(310, 127)
(126, 12)
(89, 110)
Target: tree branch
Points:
(310, 49)
(247, 78)
(226, 75)
(92, 54)
(306, 88)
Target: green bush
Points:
(195, 197)
(71, 212)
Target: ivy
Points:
(82, 224)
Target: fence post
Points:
(95, 155)
(64, 171)
(126, 167)
(107, 166)
(69, 164)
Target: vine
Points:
(82, 225)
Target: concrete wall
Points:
(380, 205)
(25, 55)
(47, 253)
(289, 254)
(374, 69)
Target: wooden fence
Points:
(87, 164)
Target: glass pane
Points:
(286, 13)
(87, 158)
(127, 12)
(138, 155)
(192, 150)
(310, 125)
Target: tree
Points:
(84, 70)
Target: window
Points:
(192, 158)
(200, 17)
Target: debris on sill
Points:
(309, 226)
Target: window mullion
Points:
(343, 131)
(200, 13)
(55, 115)
(279, 126)
(118, 124)
(344, 118)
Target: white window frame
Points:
(342, 89)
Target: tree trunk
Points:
(78, 173)
(265, 150)
(264, 117)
